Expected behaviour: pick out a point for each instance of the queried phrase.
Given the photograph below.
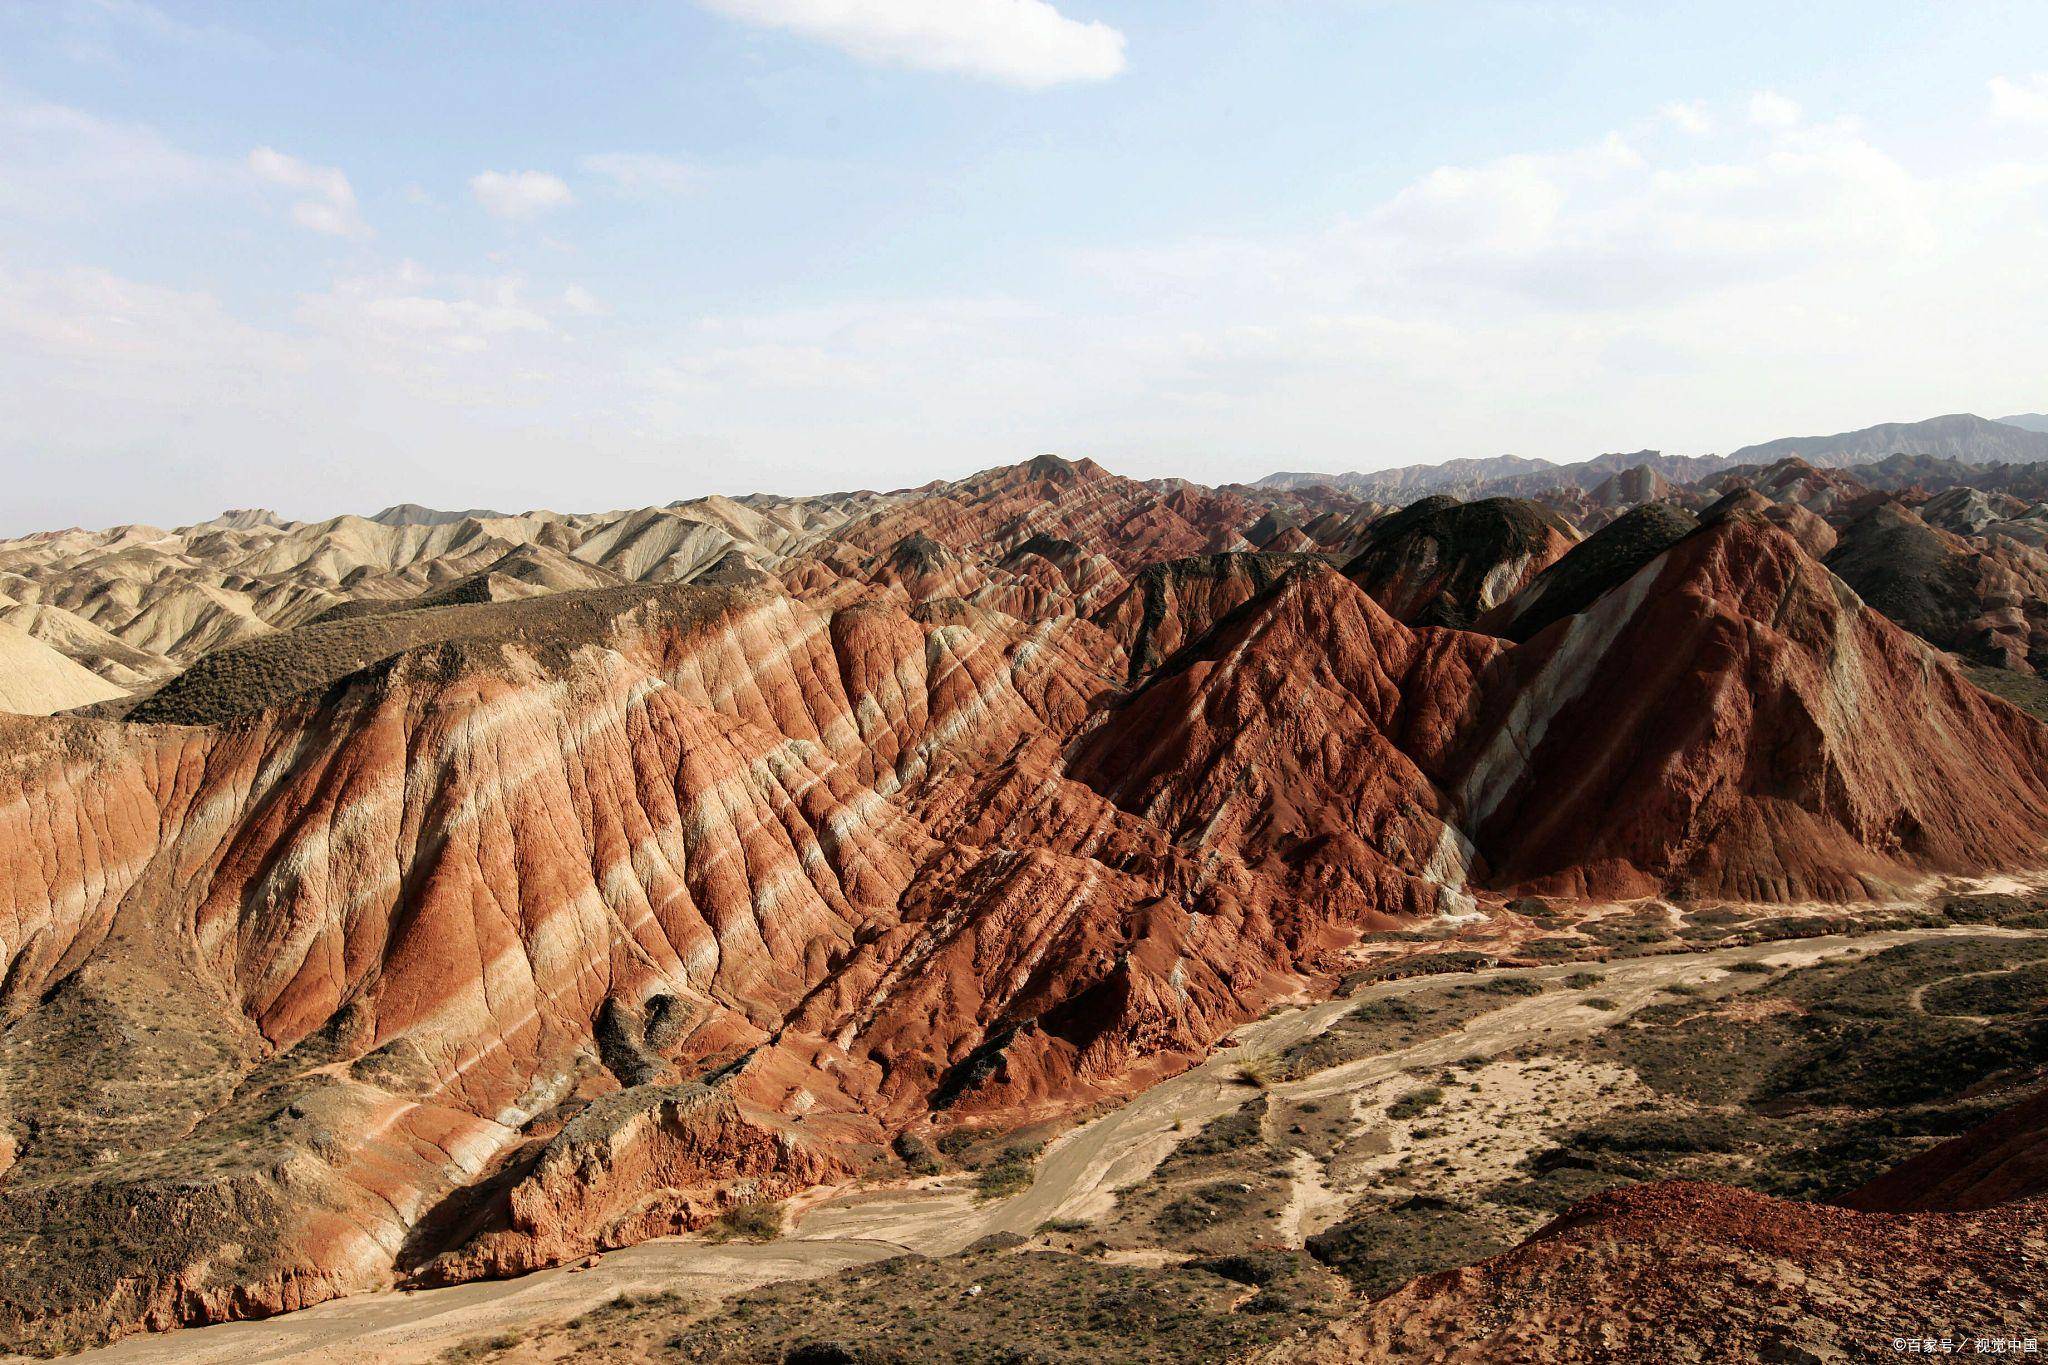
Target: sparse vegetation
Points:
(1810, 1083)
(1035, 1307)
(1256, 1071)
(1416, 1102)
(1382, 1250)
(1011, 1173)
(916, 1154)
(482, 1348)
(751, 1222)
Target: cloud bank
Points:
(326, 202)
(519, 194)
(1024, 43)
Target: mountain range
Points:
(1962, 437)
(1591, 904)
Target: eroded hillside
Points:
(470, 896)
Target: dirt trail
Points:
(1310, 1202)
(1076, 1178)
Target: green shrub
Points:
(1416, 1102)
(758, 1221)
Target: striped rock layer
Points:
(581, 919)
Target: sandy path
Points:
(1077, 1177)
(1311, 1203)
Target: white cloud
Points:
(1688, 115)
(409, 310)
(1018, 42)
(1692, 291)
(580, 301)
(326, 202)
(96, 31)
(519, 194)
(1769, 109)
(2024, 100)
(131, 401)
(59, 161)
(1695, 293)
(641, 172)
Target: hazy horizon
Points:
(322, 259)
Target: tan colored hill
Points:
(36, 680)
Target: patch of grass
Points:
(1011, 1173)
(2018, 991)
(760, 1221)
(1239, 1130)
(1033, 1308)
(1506, 985)
(481, 1348)
(1416, 1102)
(1383, 1250)
(1580, 981)
(1207, 1206)
(2029, 693)
(1257, 1071)
(1556, 949)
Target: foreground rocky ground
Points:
(1674, 1101)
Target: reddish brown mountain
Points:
(463, 938)
(1733, 718)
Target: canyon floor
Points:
(1440, 1111)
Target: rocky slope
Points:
(1692, 1272)
(1440, 562)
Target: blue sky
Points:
(323, 257)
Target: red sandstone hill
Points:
(462, 939)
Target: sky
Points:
(326, 256)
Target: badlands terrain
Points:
(1581, 912)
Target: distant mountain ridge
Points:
(412, 514)
(1501, 475)
(1961, 437)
